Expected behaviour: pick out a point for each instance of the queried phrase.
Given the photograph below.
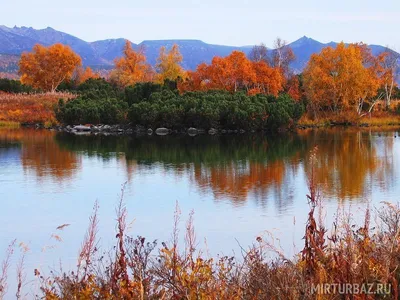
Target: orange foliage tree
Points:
(47, 67)
(132, 68)
(268, 80)
(282, 57)
(279, 58)
(81, 75)
(233, 73)
(293, 87)
(168, 64)
(341, 78)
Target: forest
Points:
(343, 85)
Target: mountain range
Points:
(101, 54)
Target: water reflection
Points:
(351, 162)
(39, 153)
(229, 167)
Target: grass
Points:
(9, 124)
(29, 108)
(376, 119)
(382, 119)
(138, 269)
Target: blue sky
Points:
(231, 22)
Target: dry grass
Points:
(380, 119)
(29, 108)
(376, 119)
(9, 124)
(4, 269)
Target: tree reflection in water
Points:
(350, 161)
(39, 153)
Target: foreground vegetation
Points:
(139, 269)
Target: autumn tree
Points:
(268, 80)
(282, 57)
(389, 62)
(81, 75)
(198, 80)
(233, 73)
(132, 67)
(169, 64)
(341, 78)
(239, 73)
(47, 67)
(293, 87)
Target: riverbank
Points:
(123, 129)
(376, 119)
(40, 111)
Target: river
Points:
(239, 186)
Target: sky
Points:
(232, 22)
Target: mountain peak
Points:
(303, 41)
(15, 40)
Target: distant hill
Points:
(9, 66)
(101, 54)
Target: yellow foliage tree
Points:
(47, 67)
(82, 75)
(341, 78)
(388, 63)
(168, 64)
(132, 67)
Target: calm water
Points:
(239, 187)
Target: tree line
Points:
(336, 80)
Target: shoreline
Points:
(126, 129)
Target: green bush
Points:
(99, 88)
(215, 109)
(141, 92)
(153, 105)
(84, 110)
(99, 102)
(14, 86)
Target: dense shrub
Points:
(99, 102)
(140, 92)
(14, 86)
(83, 110)
(153, 105)
(67, 86)
(215, 109)
(99, 88)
